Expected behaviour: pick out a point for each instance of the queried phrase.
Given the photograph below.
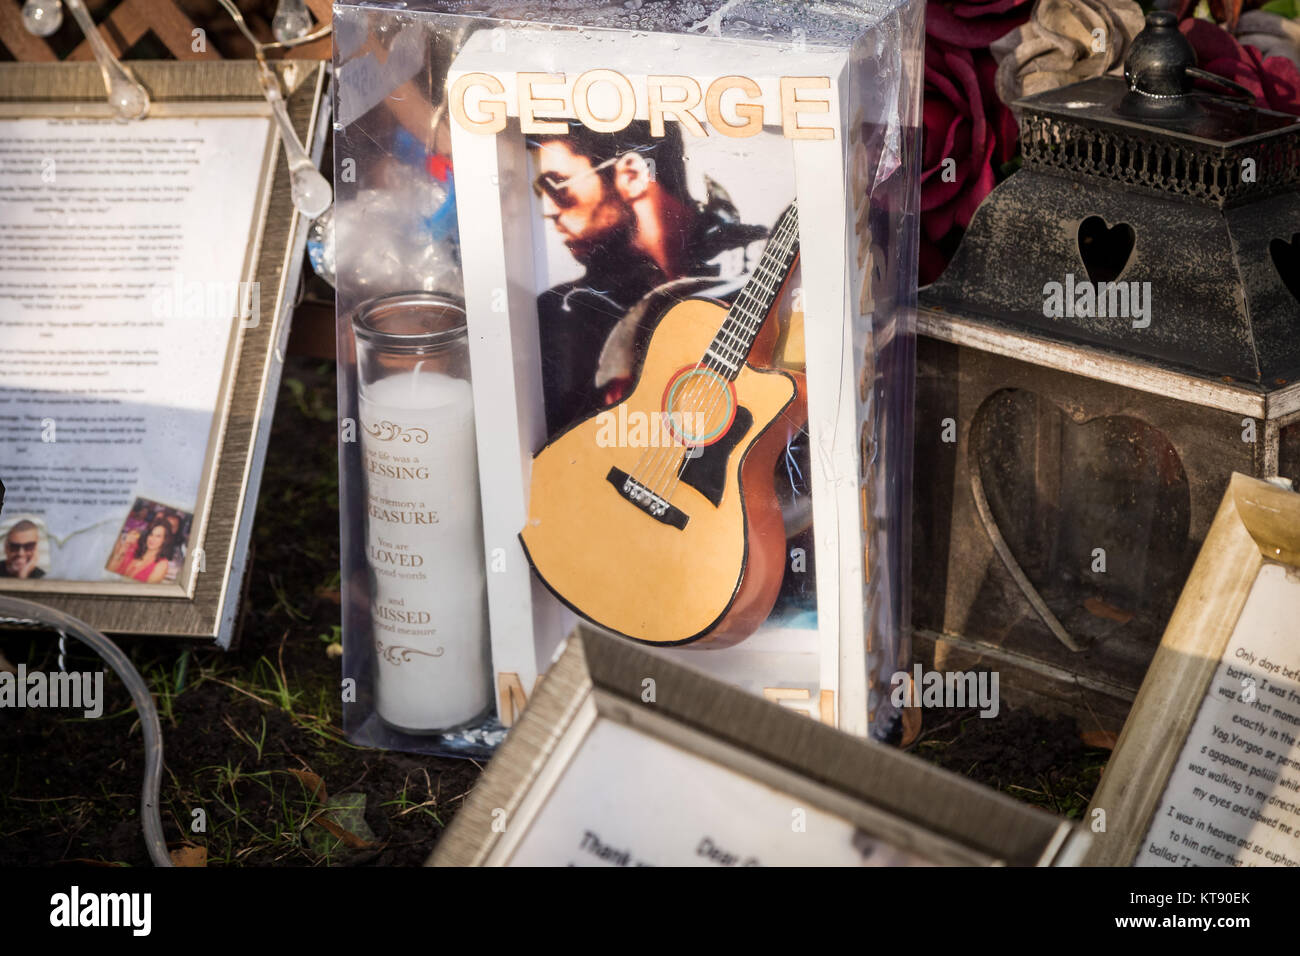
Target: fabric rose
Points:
(1270, 34)
(972, 24)
(1065, 41)
(967, 134)
(1274, 80)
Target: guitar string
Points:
(752, 324)
(696, 391)
(725, 349)
(785, 257)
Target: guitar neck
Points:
(732, 344)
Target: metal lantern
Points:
(1117, 333)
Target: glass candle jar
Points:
(424, 528)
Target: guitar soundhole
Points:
(699, 405)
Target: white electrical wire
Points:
(27, 613)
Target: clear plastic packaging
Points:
(684, 236)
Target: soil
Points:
(253, 745)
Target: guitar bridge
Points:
(645, 499)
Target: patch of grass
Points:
(239, 726)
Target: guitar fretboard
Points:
(730, 347)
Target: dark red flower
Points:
(1274, 80)
(967, 133)
(972, 24)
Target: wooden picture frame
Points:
(203, 601)
(862, 802)
(1256, 532)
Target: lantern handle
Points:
(1239, 92)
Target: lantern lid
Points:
(1214, 121)
(1149, 218)
(1151, 130)
(1197, 147)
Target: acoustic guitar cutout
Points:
(679, 539)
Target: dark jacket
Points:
(575, 319)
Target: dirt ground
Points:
(253, 745)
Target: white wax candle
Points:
(424, 544)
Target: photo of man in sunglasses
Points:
(20, 551)
(621, 206)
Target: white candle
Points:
(424, 545)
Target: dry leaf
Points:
(911, 726)
(1099, 738)
(344, 819)
(347, 836)
(189, 856)
(1099, 608)
(313, 784)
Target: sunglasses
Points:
(556, 187)
(28, 546)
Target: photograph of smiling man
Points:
(21, 546)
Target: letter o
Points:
(626, 100)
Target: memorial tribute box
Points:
(625, 336)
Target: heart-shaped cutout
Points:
(1286, 260)
(1095, 513)
(1105, 249)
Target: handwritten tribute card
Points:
(673, 808)
(1234, 796)
(122, 253)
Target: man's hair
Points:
(665, 153)
(23, 525)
